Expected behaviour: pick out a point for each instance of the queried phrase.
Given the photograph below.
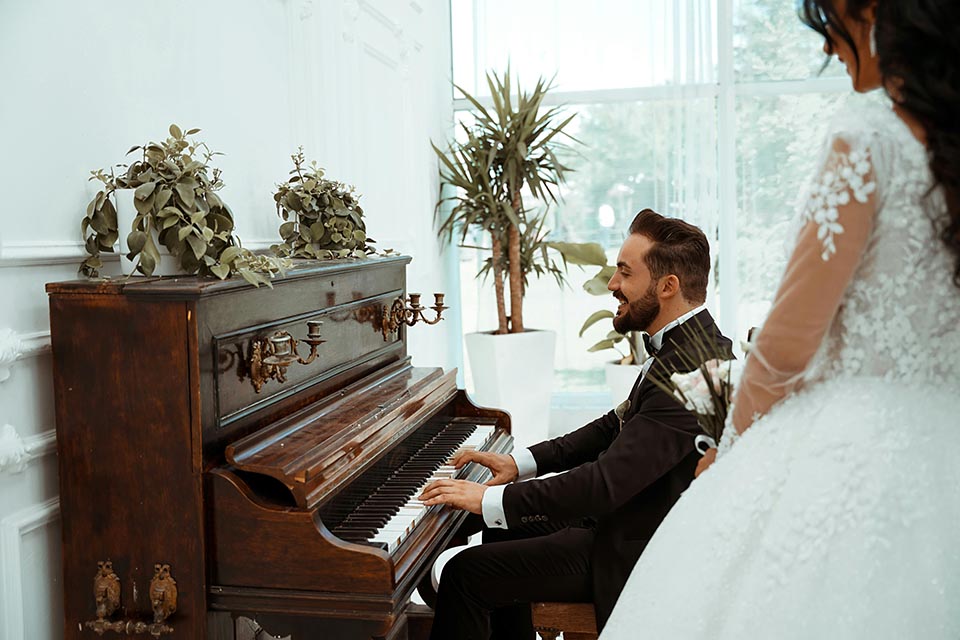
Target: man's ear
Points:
(668, 287)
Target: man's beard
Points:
(640, 313)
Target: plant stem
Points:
(516, 274)
(497, 250)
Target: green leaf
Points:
(135, 242)
(603, 344)
(594, 318)
(198, 245)
(207, 234)
(229, 254)
(288, 230)
(220, 270)
(597, 285)
(175, 131)
(187, 195)
(183, 232)
(582, 253)
(163, 197)
(143, 191)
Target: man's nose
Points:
(613, 284)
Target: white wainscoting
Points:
(13, 530)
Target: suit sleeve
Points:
(583, 445)
(652, 442)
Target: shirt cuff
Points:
(526, 464)
(491, 506)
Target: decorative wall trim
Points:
(11, 346)
(17, 452)
(12, 530)
(14, 346)
(46, 253)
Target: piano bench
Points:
(576, 620)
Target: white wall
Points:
(361, 84)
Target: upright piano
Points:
(234, 455)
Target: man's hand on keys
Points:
(461, 494)
(503, 466)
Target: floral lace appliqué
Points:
(848, 174)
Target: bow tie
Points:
(648, 344)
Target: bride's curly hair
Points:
(918, 42)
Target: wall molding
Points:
(12, 530)
(17, 452)
(20, 346)
(46, 253)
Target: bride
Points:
(836, 512)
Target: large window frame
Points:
(726, 91)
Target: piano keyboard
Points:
(391, 511)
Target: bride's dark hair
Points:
(918, 42)
(822, 17)
(919, 51)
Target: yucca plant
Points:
(509, 147)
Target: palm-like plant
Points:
(511, 146)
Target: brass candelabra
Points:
(270, 357)
(409, 313)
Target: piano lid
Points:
(326, 444)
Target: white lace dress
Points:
(837, 513)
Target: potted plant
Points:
(621, 373)
(511, 150)
(165, 212)
(323, 218)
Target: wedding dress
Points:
(837, 513)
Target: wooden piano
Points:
(232, 454)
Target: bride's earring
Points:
(873, 40)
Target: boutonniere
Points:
(621, 410)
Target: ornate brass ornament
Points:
(163, 593)
(399, 313)
(270, 357)
(106, 591)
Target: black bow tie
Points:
(648, 344)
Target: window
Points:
(710, 110)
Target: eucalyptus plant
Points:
(327, 220)
(174, 194)
(509, 147)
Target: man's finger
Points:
(464, 457)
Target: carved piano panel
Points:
(256, 498)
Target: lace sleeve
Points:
(837, 221)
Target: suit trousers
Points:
(486, 590)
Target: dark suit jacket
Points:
(626, 479)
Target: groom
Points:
(575, 537)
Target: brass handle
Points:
(270, 357)
(409, 313)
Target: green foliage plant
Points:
(511, 148)
(323, 218)
(592, 254)
(174, 194)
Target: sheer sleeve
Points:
(837, 222)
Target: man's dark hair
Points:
(679, 248)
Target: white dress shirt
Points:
(491, 505)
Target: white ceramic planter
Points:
(126, 212)
(620, 380)
(514, 372)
